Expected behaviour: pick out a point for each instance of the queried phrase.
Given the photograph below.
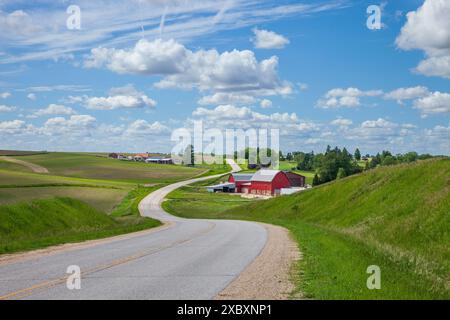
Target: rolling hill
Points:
(394, 217)
(75, 188)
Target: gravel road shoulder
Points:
(268, 277)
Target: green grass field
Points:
(394, 217)
(201, 202)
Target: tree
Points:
(388, 161)
(341, 173)
(316, 180)
(411, 156)
(375, 161)
(357, 154)
(305, 161)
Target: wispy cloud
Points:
(43, 33)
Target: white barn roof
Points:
(242, 176)
(265, 175)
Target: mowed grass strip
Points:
(47, 222)
(6, 165)
(89, 166)
(394, 217)
(200, 202)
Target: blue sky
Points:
(137, 70)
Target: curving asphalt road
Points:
(191, 259)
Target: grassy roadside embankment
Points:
(393, 217)
(46, 222)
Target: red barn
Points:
(269, 182)
(241, 180)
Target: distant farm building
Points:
(159, 160)
(141, 156)
(264, 182)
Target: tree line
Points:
(336, 163)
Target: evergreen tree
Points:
(357, 154)
(316, 180)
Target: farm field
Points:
(367, 219)
(81, 165)
(19, 153)
(12, 178)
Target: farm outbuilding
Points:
(223, 187)
(296, 180)
(160, 160)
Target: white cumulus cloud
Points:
(144, 128)
(14, 127)
(435, 103)
(350, 97)
(428, 29)
(220, 98)
(266, 103)
(4, 108)
(230, 71)
(119, 98)
(54, 109)
(342, 122)
(79, 125)
(232, 117)
(265, 39)
(401, 94)
(31, 96)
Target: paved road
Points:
(192, 259)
